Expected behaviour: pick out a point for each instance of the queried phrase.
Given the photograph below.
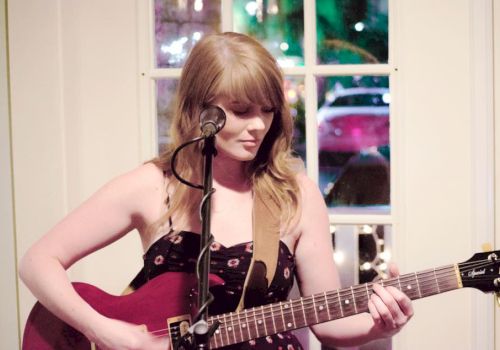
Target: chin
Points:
(241, 156)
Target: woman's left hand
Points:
(390, 308)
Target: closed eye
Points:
(268, 109)
(241, 111)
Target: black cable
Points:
(172, 163)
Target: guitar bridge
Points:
(178, 327)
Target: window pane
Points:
(353, 141)
(352, 31)
(294, 91)
(179, 24)
(278, 25)
(165, 109)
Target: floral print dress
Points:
(178, 253)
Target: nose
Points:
(257, 123)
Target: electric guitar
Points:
(164, 305)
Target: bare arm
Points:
(389, 308)
(110, 213)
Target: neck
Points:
(230, 173)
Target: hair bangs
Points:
(250, 85)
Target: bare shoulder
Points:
(145, 176)
(141, 189)
(309, 189)
(312, 209)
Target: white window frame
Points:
(309, 72)
(483, 134)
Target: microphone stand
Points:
(201, 331)
(212, 119)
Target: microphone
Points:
(212, 120)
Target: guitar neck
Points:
(236, 327)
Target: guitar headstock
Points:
(482, 271)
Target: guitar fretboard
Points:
(237, 327)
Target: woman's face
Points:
(245, 128)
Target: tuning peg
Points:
(486, 247)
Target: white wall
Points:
(74, 120)
(496, 35)
(437, 119)
(8, 292)
(75, 123)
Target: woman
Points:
(237, 74)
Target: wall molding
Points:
(482, 151)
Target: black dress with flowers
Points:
(178, 253)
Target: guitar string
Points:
(335, 304)
(432, 290)
(408, 277)
(307, 308)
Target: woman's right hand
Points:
(111, 334)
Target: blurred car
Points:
(352, 120)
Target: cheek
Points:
(230, 130)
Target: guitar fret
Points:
(320, 307)
(411, 288)
(303, 310)
(214, 338)
(354, 300)
(452, 282)
(248, 325)
(427, 283)
(272, 319)
(278, 318)
(418, 285)
(367, 298)
(361, 300)
(327, 307)
(217, 332)
(264, 320)
(347, 304)
(437, 283)
(292, 312)
(282, 316)
(225, 330)
(340, 304)
(257, 333)
(231, 328)
(240, 325)
(315, 311)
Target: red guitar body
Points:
(166, 296)
(164, 305)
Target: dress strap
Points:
(167, 202)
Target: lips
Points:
(250, 142)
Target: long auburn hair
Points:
(238, 67)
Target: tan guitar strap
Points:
(266, 238)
